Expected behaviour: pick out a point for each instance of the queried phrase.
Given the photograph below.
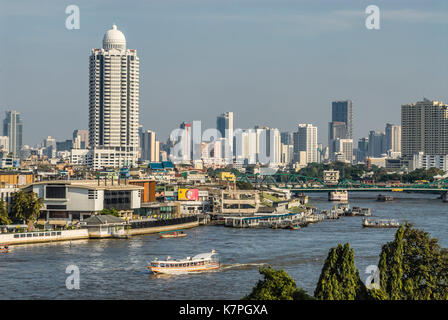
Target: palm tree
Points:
(26, 206)
(19, 202)
(34, 204)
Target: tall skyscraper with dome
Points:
(113, 103)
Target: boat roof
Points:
(201, 256)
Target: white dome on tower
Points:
(114, 39)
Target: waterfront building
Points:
(12, 128)
(114, 102)
(342, 111)
(424, 128)
(305, 139)
(67, 202)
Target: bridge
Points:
(298, 183)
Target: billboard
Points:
(188, 194)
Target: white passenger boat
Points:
(201, 262)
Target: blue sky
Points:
(273, 62)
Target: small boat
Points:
(382, 197)
(173, 234)
(380, 223)
(201, 262)
(5, 249)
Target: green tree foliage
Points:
(414, 267)
(339, 279)
(4, 218)
(242, 185)
(112, 212)
(276, 285)
(26, 206)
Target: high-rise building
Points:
(114, 102)
(343, 150)
(80, 139)
(287, 137)
(362, 150)
(12, 128)
(341, 111)
(4, 144)
(393, 139)
(377, 144)
(224, 124)
(149, 146)
(305, 140)
(336, 130)
(424, 128)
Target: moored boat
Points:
(173, 234)
(382, 197)
(5, 249)
(199, 263)
(380, 223)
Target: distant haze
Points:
(272, 62)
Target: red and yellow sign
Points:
(188, 194)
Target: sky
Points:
(274, 63)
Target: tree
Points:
(413, 266)
(18, 209)
(26, 206)
(4, 218)
(339, 279)
(112, 212)
(276, 285)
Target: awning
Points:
(58, 222)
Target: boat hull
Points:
(159, 270)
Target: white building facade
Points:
(114, 102)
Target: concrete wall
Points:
(48, 236)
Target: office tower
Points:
(66, 145)
(343, 150)
(12, 128)
(336, 130)
(80, 139)
(268, 145)
(114, 102)
(393, 140)
(49, 147)
(362, 150)
(305, 140)
(424, 128)
(149, 146)
(341, 111)
(287, 138)
(377, 144)
(224, 124)
(185, 142)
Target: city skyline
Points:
(261, 89)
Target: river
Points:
(115, 268)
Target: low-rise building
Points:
(69, 202)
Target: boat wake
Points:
(240, 266)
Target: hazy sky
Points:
(272, 62)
